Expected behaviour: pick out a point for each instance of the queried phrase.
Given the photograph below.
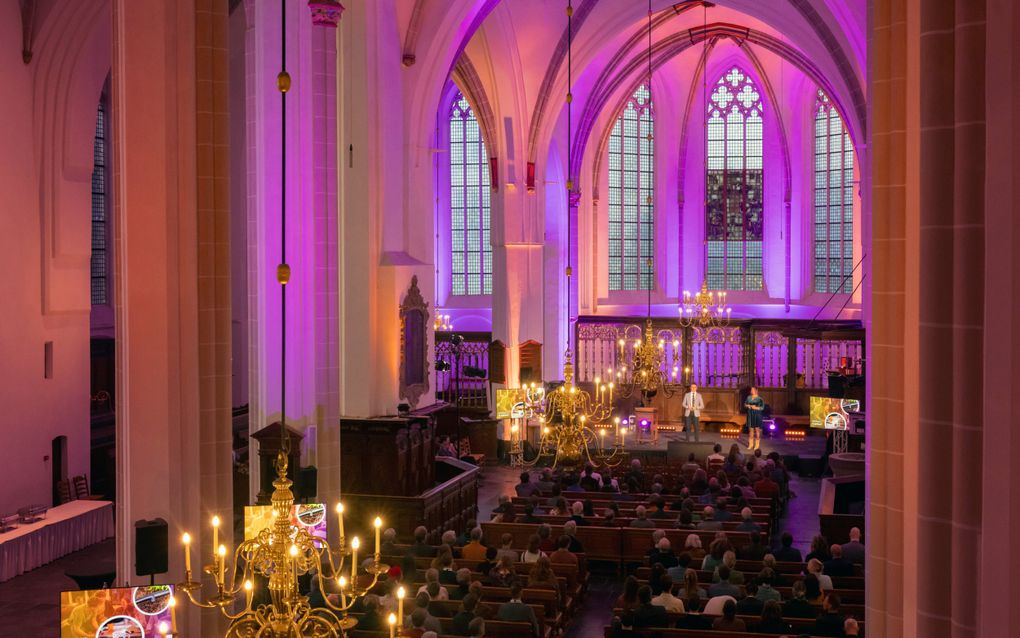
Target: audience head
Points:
(533, 542)
(421, 600)
(708, 513)
(684, 559)
(491, 553)
(432, 589)
(420, 533)
(729, 610)
(745, 513)
(506, 540)
(577, 509)
(418, 617)
(690, 581)
(515, 590)
(371, 603)
(724, 573)
(772, 612)
(850, 627)
(691, 458)
(819, 545)
(729, 559)
(855, 537)
(630, 589)
(693, 541)
(544, 531)
(812, 588)
(449, 537)
(563, 542)
(814, 566)
(836, 551)
(431, 575)
(644, 594)
(525, 477)
(476, 627)
(717, 448)
(389, 535)
(766, 577)
(664, 545)
(570, 528)
(640, 511)
(657, 535)
(469, 602)
(787, 539)
(798, 589)
(463, 576)
(769, 561)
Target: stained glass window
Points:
(99, 266)
(631, 207)
(834, 200)
(471, 265)
(734, 210)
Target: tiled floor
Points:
(29, 604)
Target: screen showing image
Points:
(128, 612)
(308, 516)
(510, 403)
(832, 414)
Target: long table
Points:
(67, 528)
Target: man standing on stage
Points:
(693, 404)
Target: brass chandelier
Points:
(277, 556)
(704, 309)
(574, 422)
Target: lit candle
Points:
(342, 582)
(355, 543)
(293, 557)
(400, 603)
(377, 523)
(610, 392)
(340, 516)
(602, 437)
(393, 625)
(163, 628)
(247, 590)
(222, 551)
(623, 437)
(186, 539)
(215, 533)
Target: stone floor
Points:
(29, 604)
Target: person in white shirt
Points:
(693, 404)
(714, 606)
(667, 599)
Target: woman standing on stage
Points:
(755, 408)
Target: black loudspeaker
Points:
(837, 386)
(307, 487)
(151, 547)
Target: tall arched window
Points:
(631, 195)
(733, 184)
(834, 200)
(471, 251)
(99, 266)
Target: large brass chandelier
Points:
(574, 422)
(277, 556)
(704, 309)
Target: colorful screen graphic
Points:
(128, 612)
(510, 403)
(832, 414)
(308, 516)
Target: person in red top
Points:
(766, 488)
(563, 553)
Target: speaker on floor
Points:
(151, 547)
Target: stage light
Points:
(442, 366)
(456, 340)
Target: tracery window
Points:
(98, 266)
(734, 180)
(471, 250)
(631, 207)
(834, 200)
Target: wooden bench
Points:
(705, 577)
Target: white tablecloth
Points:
(66, 528)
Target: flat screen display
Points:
(308, 516)
(126, 612)
(510, 403)
(832, 414)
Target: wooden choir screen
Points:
(474, 355)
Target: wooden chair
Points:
(81, 489)
(64, 493)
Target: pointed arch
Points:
(833, 246)
(470, 202)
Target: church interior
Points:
(509, 318)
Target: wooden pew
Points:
(800, 625)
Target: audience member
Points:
(577, 514)
(542, 576)
(490, 561)
(729, 621)
(708, 522)
(715, 555)
(691, 465)
(462, 619)
(854, 550)
(850, 628)
(641, 518)
(837, 565)
(693, 618)
(628, 599)
(528, 516)
(646, 614)
(692, 545)
(765, 487)
(666, 599)
(570, 531)
(689, 586)
(623, 626)
(546, 543)
(463, 584)
(503, 574)
(663, 554)
(476, 629)
(515, 610)
(474, 551)
(506, 542)
(747, 523)
(798, 606)
(814, 567)
(420, 548)
(750, 605)
(772, 619)
(545, 482)
(371, 619)
(563, 555)
(716, 456)
(766, 591)
(819, 549)
(533, 552)
(830, 621)
(754, 550)
(526, 488)
(813, 590)
(724, 586)
(787, 553)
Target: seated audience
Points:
(646, 614)
(577, 514)
(716, 456)
(389, 542)
(685, 520)
(463, 584)
(854, 550)
(692, 545)
(819, 549)
(715, 555)
(477, 628)
(724, 586)
(787, 553)
(772, 620)
(766, 591)
(750, 605)
(462, 619)
(506, 542)
(545, 482)
(515, 610)
(837, 565)
(666, 598)
(546, 543)
(490, 561)
(623, 626)
(813, 592)
(765, 487)
(570, 531)
(446, 447)
(641, 518)
(691, 465)
(678, 572)
(563, 554)
(371, 619)
(798, 606)
(420, 548)
(528, 516)
(729, 560)
(663, 554)
(729, 621)
(754, 550)
(533, 552)
(474, 551)
(503, 574)
(428, 621)
(542, 576)
(708, 521)
(747, 523)
(628, 600)
(814, 566)
(689, 587)
(850, 628)
(526, 488)
(830, 621)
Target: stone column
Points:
(172, 275)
